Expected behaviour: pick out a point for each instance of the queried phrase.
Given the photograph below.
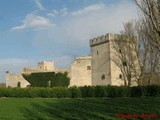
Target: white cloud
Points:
(39, 5)
(35, 22)
(70, 37)
(53, 13)
(78, 27)
(88, 9)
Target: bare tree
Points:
(151, 12)
(148, 55)
(137, 59)
(125, 56)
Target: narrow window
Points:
(88, 67)
(18, 84)
(120, 51)
(103, 77)
(97, 52)
(120, 76)
(124, 63)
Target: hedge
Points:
(81, 92)
(47, 79)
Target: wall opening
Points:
(19, 84)
(120, 76)
(97, 52)
(103, 77)
(88, 67)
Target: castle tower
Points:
(104, 72)
(48, 66)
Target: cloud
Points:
(53, 13)
(34, 22)
(88, 9)
(70, 37)
(39, 5)
(94, 20)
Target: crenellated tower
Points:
(104, 72)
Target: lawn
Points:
(77, 109)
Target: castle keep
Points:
(104, 71)
(97, 69)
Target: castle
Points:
(97, 69)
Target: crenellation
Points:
(100, 40)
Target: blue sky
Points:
(55, 30)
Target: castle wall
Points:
(100, 60)
(14, 80)
(29, 70)
(81, 72)
(48, 66)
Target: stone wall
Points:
(81, 72)
(14, 80)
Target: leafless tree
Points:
(148, 56)
(134, 55)
(151, 14)
(125, 57)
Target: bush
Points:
(153, 90)
(101, 91)
(87, 91)
(60, 92)
(47, 79)
(137, 91)
(75, 92)
(81, 92)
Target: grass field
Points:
(76, 109)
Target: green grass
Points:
(76, 109)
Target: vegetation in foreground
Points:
(77, 109)
(81, 92)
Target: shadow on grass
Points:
(91, 109)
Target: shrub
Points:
(75, 92)
(153, 90)
(79, 92)
(136, 91)
(60, 92)
(101, 91)
(87, 91)
(47, 79)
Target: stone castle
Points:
(97, 69)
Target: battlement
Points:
(102, 39)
